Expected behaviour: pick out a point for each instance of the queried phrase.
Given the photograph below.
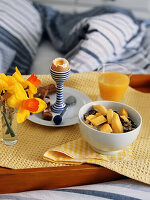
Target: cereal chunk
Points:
(106, 128)
(123, 112)
(88, 118)
(98, 114)
(125, 119)
(98, 120)
(100, 109)
(110, 114)
(116, 124)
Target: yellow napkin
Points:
(78, 151)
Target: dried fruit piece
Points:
(90, 112)
(116, 124)
(98, 120)
(123, 112)
(110, 114)
(100, 109)
(88, 118)
(125, 119)
(106, 128)
(98, 114)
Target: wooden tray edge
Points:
(20, 180)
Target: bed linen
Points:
(23, 24)
(102, 35)
(65, 30)
(125, 189)
(20, 34)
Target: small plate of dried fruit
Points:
(48, 94)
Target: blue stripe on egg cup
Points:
(59, 78)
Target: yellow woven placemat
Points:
(35, 140)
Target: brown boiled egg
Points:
(60, 65)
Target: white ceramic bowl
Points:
(109, 143)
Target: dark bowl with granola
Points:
(109, 126)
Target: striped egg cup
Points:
(59, 78)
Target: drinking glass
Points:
(113, 81)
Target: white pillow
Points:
(106, 38)
(20, 32)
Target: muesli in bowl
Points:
(114, 125)
(109, 120)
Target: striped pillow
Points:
(20, 32)
(106, 38)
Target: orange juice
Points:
(113, 85)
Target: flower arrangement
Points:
(18, 94)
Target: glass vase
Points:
(9, 125)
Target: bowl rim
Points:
(99, 132)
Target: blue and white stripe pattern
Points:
(20, 30)
(101, 35)
(113, 38)
(59, 78)
(127, 189)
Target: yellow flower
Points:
(19, 94)
(17, 75)
(15, 99)
(26, 105)
(31, 89)
(29, 84)
(3, 83)
(12, 85)
(7, 83)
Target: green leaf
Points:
(8, 126)
(2, 93)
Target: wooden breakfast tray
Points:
(55, 177)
